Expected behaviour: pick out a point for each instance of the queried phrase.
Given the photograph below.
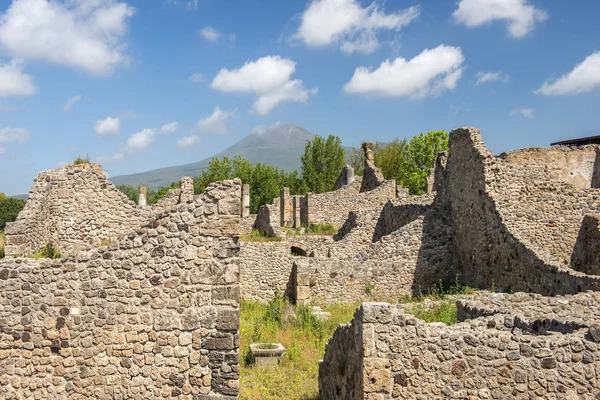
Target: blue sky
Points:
(145, 84)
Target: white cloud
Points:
(85, 35)
(139, 141)
(70, 103)
(427, 74)
(189, 5)
(519, 14)
(268, 78)
(216, 122)
(209, 33)
(526, 112)
(7, 107)
(483, 77)
(196, 78)
(345, 22)
(108, 126)
(262, 129)
(188, 141)
(583, 78)
(14, 82)
(12, 135)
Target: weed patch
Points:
(259, 236)
(304, 340)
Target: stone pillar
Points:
(286, 207)
(372, 176)
(346, 177)
(187, 190)
(142, 190)
(296, 213)
(308, 203)
(301, 274)
(245, 200)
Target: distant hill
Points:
(280, 146)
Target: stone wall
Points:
(586, 254)
(511, 231)
(385, 353)
(153, 315)
(74, 208)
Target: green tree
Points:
(131, 192)
(409, 161)
(9, 210)
(153, 196)
(218, 170)
(322, 162)
(2, 196)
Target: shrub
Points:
(443, 311)
(49, 251)
(313, 229)
(80, 160)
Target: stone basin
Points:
(267, 354)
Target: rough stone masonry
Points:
(153, 315)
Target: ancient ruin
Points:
(145, 303)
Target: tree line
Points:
(406, 161)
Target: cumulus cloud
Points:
(483, 77)
(196, 77)
(209, 33)
(216, 122)
(526, 112)
(188, 141)
(347, 23)
(583, 78)
(268, 78)
(108, 126)
(86, 35)
(14, 82)
(427, 74)
(189, 5)
(70, 103)
(519, 15)
(138, 142)
(12, 135)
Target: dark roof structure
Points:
(578, 142)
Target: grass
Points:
(49, 251)
(313, 229)
(1, 244)
(80, 160)
(442, 311)
(304, 340)
(259, 236)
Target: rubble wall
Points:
(153, 315)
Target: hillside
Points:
(280, 146)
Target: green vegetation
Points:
(80, 160)
(9, 209)
(131, 192)
(322, 162)
(153, 196)
(408, 162)
(304, 340)
(313, 229)
(49, 251)
(2, 244)
(442, 311)
(2, 196)
(259, 236)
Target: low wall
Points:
(154, 315)
(399, 356)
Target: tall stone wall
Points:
(493, 244)
(154, 315)
(74, 208)
(385, 353)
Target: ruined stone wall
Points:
(491, 244)
(586, 253)
(154, 315)
(497, 356)
(74, 208)
(333, 207)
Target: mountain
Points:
(280, 146)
